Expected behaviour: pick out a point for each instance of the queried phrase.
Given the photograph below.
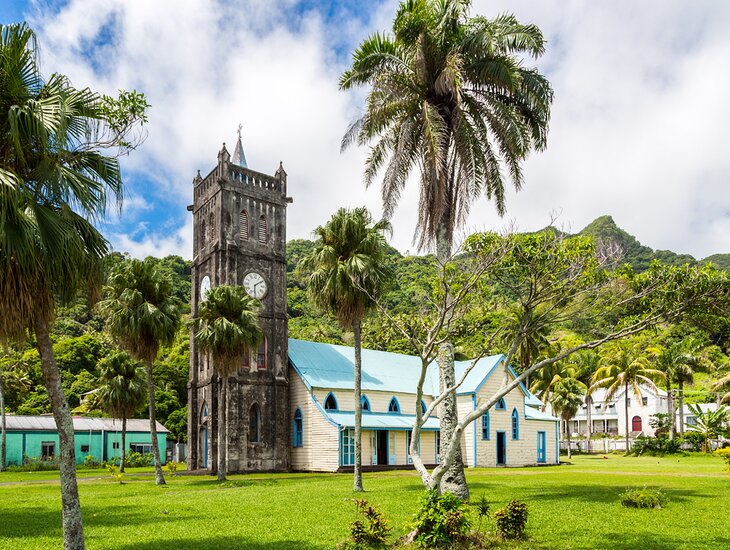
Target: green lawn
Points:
(571, 506)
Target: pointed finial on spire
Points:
(239, 157)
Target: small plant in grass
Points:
(171, 467)
(512, 520)
(369, 530)
(482, 509)
(724, 453)
(114, 474)
(91, 462)
(643, 498)
(441, 521)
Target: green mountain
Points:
(604, 230)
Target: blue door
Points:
(541, 447)
(501, 449)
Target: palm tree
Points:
(723, 382)
(228, 329)
(689, 361)
(450, 98)
(532, 335)
(585, 362)
(710, 424)
(546, 380)
(667, 359)
(624, 367)
(3, 426)
(143, 313)
(54, 183)
(346, 272)
(121, 391)
(566, 399)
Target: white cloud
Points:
(637, 129)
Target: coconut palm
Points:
(586, 362)
(346, 272)
(54, 183)
(723, 382)
(689, 360)
(143, 314)
(121, 390)
(566, 398)
(666, 360)
(546, 380)
(532, 336)
(228, 329)
(710, 424)
(624, 366)
(450, 98)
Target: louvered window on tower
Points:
(263, 237)
(243, 225)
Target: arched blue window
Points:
(500, 404)
(485, 426)
(515, 424)
(298, 429)
(330, 403)
(393, 406)
(423, 407)
(365, 403)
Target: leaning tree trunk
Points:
(3, 448)
(589, 420)
(454, 480)
(670, 410)
(357, 482)
(681, 408)
(73, 531)
(159, 478)
(124, 445)
(222, 425)
(626, 412)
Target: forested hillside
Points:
(80, 339)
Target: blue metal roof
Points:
(385, 421)
(534, 414)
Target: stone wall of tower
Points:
(226, 251)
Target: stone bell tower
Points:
(239, 238)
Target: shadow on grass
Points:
(28, 522)
(630, 541)
(603, 494)
(218, 542)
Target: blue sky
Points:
(638, 128)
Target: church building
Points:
(290, 406)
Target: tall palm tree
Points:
(532, 336)
(690, 360)
(228, 329)
(546, 380)
(710, 424)
(723, 382)
(450, 98)
(586, 364)
(667, 360)
(624, 367)
(346, 271)
(121, 390)
(142, 311)
(53, 183)
(567, 397)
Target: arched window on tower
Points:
(243, 225)
(261, 355)
(263, 230)
(211, 228)
(254, 424)
(203, 234)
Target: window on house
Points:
(393, 406)
(423, 407)
(515, 424)
(115, 445)
(142, 448)
(645, 401)
(330, 403)
(243, 225)
(298, 429)
(691, 421)
(485, 427)
(347, 446)
(254, 424)
(628, 402)
(365, 403)
(501, 404)
(263, 231)
(48, 450)
(84, 448)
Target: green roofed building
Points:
(36, 437)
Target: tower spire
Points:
(239, 156)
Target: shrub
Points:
(370, 528)
(512, 520)
(441, 520)
(134, 459)
(724, 453)
(656, 446)
(171, 467)
(118, 477)
(694, 440)
(91, 462)
(643, 498)
(34, 465)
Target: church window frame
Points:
(485, 426)
(515, 425)
(298, 429)
(243, 227)
(501, 405)
(254, 424)
(330, 402)
(365, 403)
(393, 406)
(263, 236)
(262, 354)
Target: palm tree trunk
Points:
(681, 408)
(222, 383)
(589, 427)
(124, 445)
(454, 480)
(3, 442)
(626, 412)
(670, 410)
(357, 482)
(73, 530)
(159, 478)
(567, 436)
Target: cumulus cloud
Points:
(637, 129)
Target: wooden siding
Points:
(379, 400)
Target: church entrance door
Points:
(382, 446)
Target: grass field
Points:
(571, 506)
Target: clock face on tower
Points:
(255, 285)
(204, 288)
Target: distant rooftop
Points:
(81, 424)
